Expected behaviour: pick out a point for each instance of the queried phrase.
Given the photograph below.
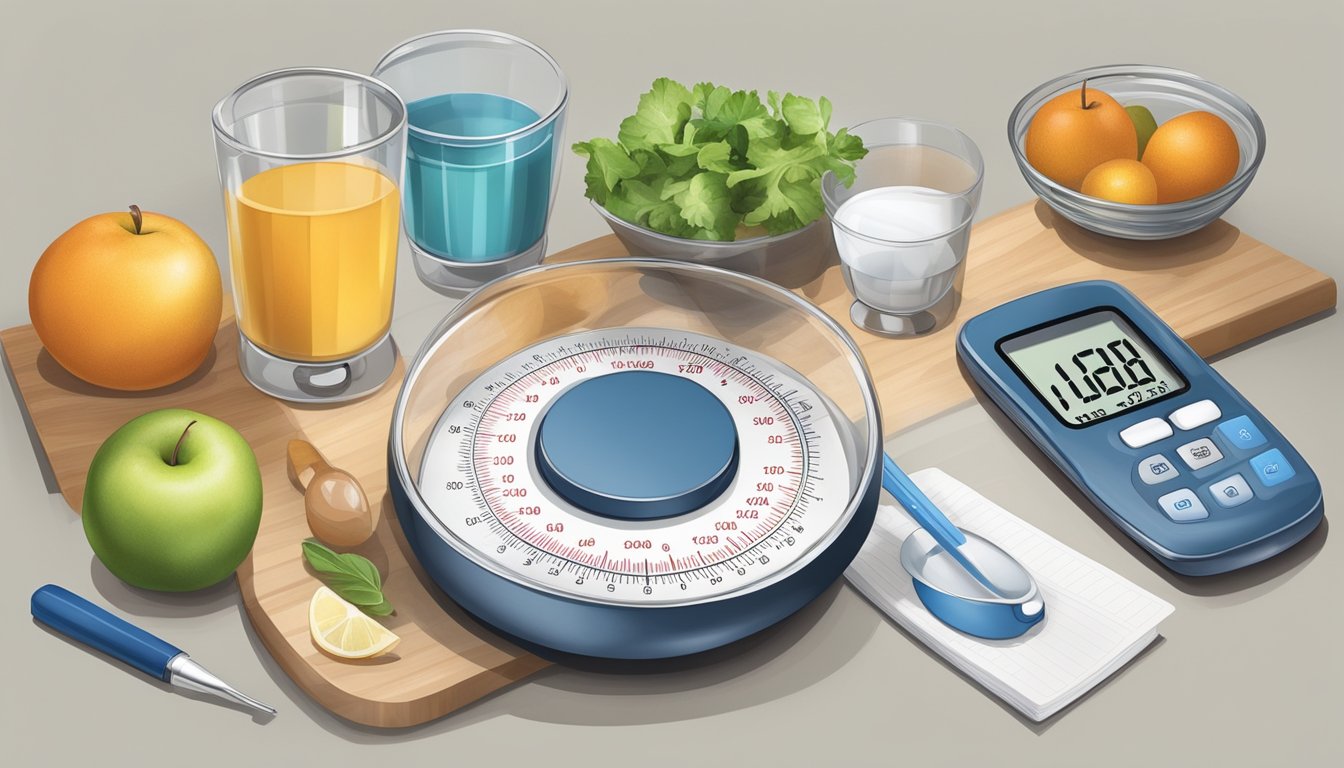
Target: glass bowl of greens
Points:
(719, 177)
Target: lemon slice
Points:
(344, 631)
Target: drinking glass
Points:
(309, 162)
(485, 112)
(903, 228)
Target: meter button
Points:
(1272, 468)
(1195, 414)
(1146, 432)
(1157, 469)
(1241, 433)
(1201, 453)
(1183, 506)
(1232, 492)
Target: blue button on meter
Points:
(1241, 433)
(1273, 468)
(1077, 367)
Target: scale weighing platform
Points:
(1160, 442)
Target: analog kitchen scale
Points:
(635, 458)
(1161, 443)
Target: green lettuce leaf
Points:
(716, 156)
(608, 165)
(662, 112)
(802, 115)
(705, 204)
(700, 162)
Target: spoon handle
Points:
(924, 511)
(305, 462)
(930, 518)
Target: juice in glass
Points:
(314, 249)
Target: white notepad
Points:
(1095, 620)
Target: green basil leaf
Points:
(382, 609)
(322, 559)
(353, 590)
(351, 576)
(361, 567)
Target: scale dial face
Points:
(787, 491)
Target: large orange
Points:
(127, 307)
(1191, 155)
(1075, 132)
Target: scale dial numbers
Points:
(789, 493)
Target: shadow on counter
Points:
(257, 717)
(1138, 255)
(818, 640)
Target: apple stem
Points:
(1082, 95)
(173, 461)
(138, 219)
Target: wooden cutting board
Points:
(1217, 287)
(444, 661)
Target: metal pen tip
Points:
(183, 672)
(243, 698)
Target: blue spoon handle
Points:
(925, 512)
(81, 620)
(930, 518)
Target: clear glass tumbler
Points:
(485, 112)
(310, 162)
(904, 226)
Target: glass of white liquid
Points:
(903, 227)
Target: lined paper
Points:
(1095, 620)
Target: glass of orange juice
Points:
(310, 161)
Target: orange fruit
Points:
(1121, 181)
(127, 307)
(1192, 155)
(1075, 132)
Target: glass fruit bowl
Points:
(792, 259)
(726, 473)
(1167, 93)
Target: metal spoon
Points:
(338, 511)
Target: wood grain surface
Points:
(1218, 288)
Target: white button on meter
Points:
(1200, 453)
(1146, 432)
(1157, 469)
(1232, 492)
(1183, 506)
(1195, 414)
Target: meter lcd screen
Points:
(1091, 367)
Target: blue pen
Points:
(81, 620)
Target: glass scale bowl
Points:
(635, 458)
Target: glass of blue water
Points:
(485, 111)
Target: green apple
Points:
(173, 501)
(1144, 124)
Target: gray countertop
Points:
(109, 105)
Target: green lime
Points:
(1144, 124)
